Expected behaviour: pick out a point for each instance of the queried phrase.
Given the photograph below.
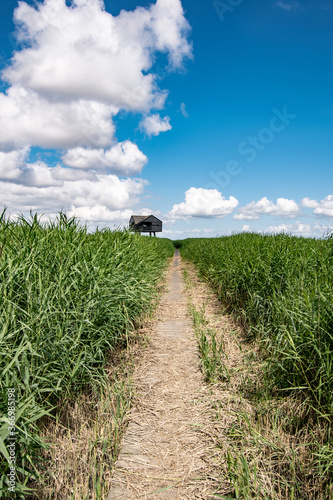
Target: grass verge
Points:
(85, 436)
(269, 446)
(69, 299)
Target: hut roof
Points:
(140, 218)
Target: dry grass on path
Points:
(167, 451)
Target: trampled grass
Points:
(67, 299)
(280, 288)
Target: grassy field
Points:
(68, 299)
(280, 289)
(70, 302)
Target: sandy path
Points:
(163, 451)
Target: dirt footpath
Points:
(224, 438)
(166, 451)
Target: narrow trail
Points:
(164, 448)
(188, 439)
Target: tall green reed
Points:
(281, 287)
(67, 297)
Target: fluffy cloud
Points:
(83, 52)
(80, 65)
(54, 194)
(25, 186)
(323, 208)
(124, 158)
(29, 119)
(77, 68)
(300, 229)
(296, 229)
(10, 163)
(14, 167)
(100, 213)
(308, 203)
(154, 124)
(282, 208)
(201, 202)
(170, 28)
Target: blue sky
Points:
(215, 116)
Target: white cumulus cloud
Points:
(154, 124)
(11, 162)
(53, 194)
(76, 68)
(308, 203)
(101, 213)
(200, 202)
(282, 208)
(80, 65)
(300, 229)
(27, 118)
(323, 208)
(297, 229)
(124, 159)
(170, 28)
(37, 186)
(83, 52)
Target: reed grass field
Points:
(68, 298)
(280, 289)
